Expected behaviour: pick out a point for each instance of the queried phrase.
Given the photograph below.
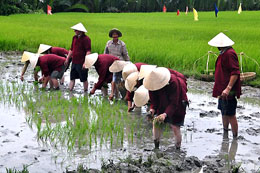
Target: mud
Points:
(204, 146)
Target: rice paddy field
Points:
(164, 39)
(60, 131)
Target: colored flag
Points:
(178, 12)
(240, 8)
(164, 9)
(195, 13)
(216, 10)
(49, 10)
(187, 9)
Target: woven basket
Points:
(247, 76)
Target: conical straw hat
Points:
(90, 59)
(34, 59)
(128, 69)
(79, 27)
(115, 30)
(221, 40)
(26, 56)
(141, 96)
(43, 48)
(131, 81)
(157, 79)
(118, 66)
(145, 70)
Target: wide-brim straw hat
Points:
(79, 27)
(34, 59)
(131, 81)
(157, 79)
(221, 40)
(128, 69)
(115, 30)
(90, 59)
(146, 70)
(141, 96)
(118, 66)
(43, 48)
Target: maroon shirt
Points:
(79, 47)
(49, 63)
(226, 65)
(169, 100)
(130, 95)
(59, 51)
(102, 65)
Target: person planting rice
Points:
(46, 49)
(51, 65)
(132, 83)
(117, 48)
(80, 47)
(227, 81)
(168, 101)
(102, 63)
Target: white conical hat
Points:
(118, 66)
(131, 81)
(79, 27)
(128, 69)
(43, 48)
(157, 79)
(26, 56)
(34, 59)
(90, 59)
(141, 96)
(146, 70)
(221, 40)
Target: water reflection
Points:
(228, 153)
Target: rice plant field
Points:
(164, 39)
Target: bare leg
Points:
(62, 80)
(234, 125)
(55, 83)
(104, 91)
(177, 133)
(71, 85)
(85, 85)
(157, 132)
(51, 83)
(225, 121)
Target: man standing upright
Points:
(227, 85)
(116, 48)
(80, 47)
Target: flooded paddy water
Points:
(39, 131)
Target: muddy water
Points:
(202, 133)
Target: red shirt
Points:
(79, 47)
(130, 95)
(59, 51)
(49, 63)
(226, 65)
(102, 65)
(169, 100)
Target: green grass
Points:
(164, 39)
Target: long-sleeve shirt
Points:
(169, 100)
(102, 65)
(49, 63)
(227, 65)
(79, 47)
(117, 49)
(59, 51)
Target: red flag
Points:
(178, 12)
(49, 10)
(164, 9)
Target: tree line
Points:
(8, 7)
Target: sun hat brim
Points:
(115, 30)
